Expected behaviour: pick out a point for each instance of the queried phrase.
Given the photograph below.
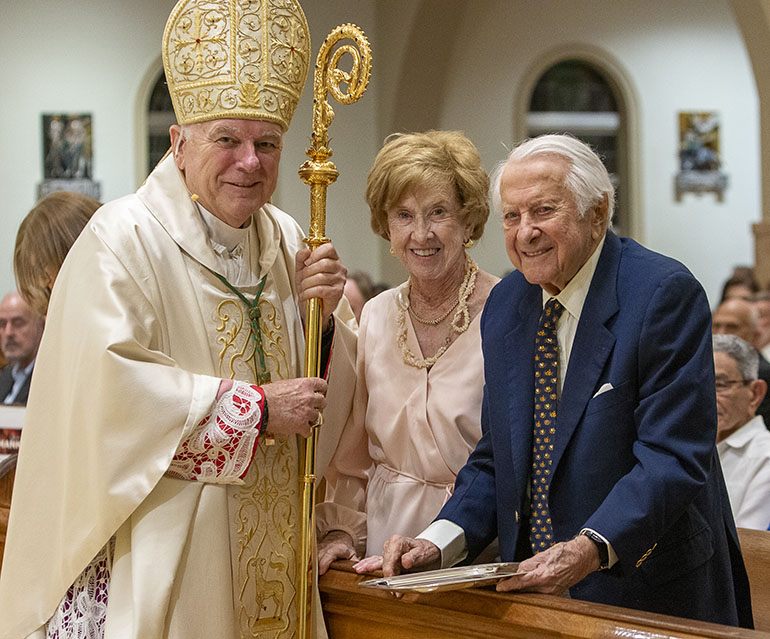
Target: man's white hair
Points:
(743, 353)
(587, 179)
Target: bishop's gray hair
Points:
(744, 354)
(588, 179)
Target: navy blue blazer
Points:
(637, 463)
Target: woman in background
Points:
(43, 240)
(417, 407)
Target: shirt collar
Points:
(222, 233)
(744, 434)
(573, 296)
(17, 372)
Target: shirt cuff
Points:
(612, 557)
(449, 538)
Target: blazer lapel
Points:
(519, 385)
(592, 346)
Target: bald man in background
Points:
(739, 317)
(20, 333)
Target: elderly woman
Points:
(417, 407)
(43, 240)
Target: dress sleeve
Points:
(219, 449)
(344, 507)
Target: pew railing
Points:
(354, 612)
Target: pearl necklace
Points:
(433, 322)
(460, 322)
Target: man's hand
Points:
(555, 570)
(404, 553)
(320, 274)
(294, 404)
(336, 544)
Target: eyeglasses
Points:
(723, 385)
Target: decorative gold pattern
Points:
(546, 379)
(265, 510)
(236, 59)
(647, 553)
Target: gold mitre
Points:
(236, 59)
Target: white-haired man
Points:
(740, 317)
(597, 467)
(743, 441)
(157, 487)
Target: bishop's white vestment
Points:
(140, 331)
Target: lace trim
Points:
(220, 448)
(82, 611)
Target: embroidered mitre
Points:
(236, 59)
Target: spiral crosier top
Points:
(236, 59)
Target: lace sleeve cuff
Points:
(220, 448)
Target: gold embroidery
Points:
(238, 351)
(266, 508)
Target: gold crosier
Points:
(319, 172)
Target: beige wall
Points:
(437, 63)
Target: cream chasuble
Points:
(140, 330)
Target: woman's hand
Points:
(336, 544)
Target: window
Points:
(160, 117)
(573, 96)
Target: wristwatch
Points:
(601, 546)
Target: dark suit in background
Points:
(6, 385)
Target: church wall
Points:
(93, 56)
(682, 55)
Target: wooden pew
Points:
(352, 612)
(755, 545)
(7, 473)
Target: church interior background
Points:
(618, 73)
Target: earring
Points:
(392, 252)
(468, 243)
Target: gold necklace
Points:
(460, 322)
(432, 322)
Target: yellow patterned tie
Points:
(546, 375)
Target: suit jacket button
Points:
(516, 516)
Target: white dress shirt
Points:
(448, 536)
(745, 457)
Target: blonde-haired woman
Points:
(417, 407)
(43, 240)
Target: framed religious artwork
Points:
(699, 155)
(68, 154)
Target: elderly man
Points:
(740, 317)
(597, 467)
(20, 333)
(743, 440)
(157, 491)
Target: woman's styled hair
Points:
(43, 240)
(432, 159)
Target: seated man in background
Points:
(20, 333)
(739, 317)
(743, 440)
(762, 306)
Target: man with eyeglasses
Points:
(739, 317)
(743, 441)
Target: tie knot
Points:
(552, 311)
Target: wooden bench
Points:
(755, 545)
(7, 473)
(353, 612)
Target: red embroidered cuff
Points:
(221, 447)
